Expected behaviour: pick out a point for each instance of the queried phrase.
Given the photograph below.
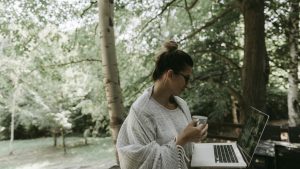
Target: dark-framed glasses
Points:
(186, 77)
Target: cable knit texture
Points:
(146, 138)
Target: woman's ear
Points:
(170, 73)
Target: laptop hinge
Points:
(244, 155)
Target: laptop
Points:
(236, 154)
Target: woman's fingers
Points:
(202, 131)
(194, 133)
(204, 136)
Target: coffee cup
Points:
(199, 119)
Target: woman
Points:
(158, 131)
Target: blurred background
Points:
(54, 103)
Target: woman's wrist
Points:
(180, 140)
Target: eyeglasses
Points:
(186, 78)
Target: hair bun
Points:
(171, 45)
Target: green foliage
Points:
(217, 49)
(58, 73)
(210, 100)
(277, 104)
(53, 49)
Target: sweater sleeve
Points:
(138, 149)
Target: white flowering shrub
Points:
(62, 119)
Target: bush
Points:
(277, 104)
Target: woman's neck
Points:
(162, 95)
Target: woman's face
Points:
(180, 81)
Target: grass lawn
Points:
(41, 154)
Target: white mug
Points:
(200, 119)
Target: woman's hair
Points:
(171, 58)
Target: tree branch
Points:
(187, 10)
(235, 93)
(192, 5)
(283, 68)
(234, 46)
(209, 23)
(72, 62)
(143, 80)
(227, 60)
(161, 12)
(205, 76)
(96, 27)
(239, 4)
(88, 8)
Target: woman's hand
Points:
(192, 133)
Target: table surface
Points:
(267, 147)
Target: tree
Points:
(13, 108)
(110, 68)
(214, 39)
(61, 121)
(58, 62)
(255, 69)
(292, 34)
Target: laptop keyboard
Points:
(224, 154)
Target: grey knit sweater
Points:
(147, 137)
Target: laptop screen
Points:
(251, 133)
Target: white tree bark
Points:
(12, 125)
(110, 67)
(293, 91)
(13, 112)
(234, 110)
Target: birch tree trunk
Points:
(63, 137)
(13, 112)
(234, 110)
(293, 37)
(54, 134)
(12, 125)
(255, 69)
(110, 67)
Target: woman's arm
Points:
(137, 146)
